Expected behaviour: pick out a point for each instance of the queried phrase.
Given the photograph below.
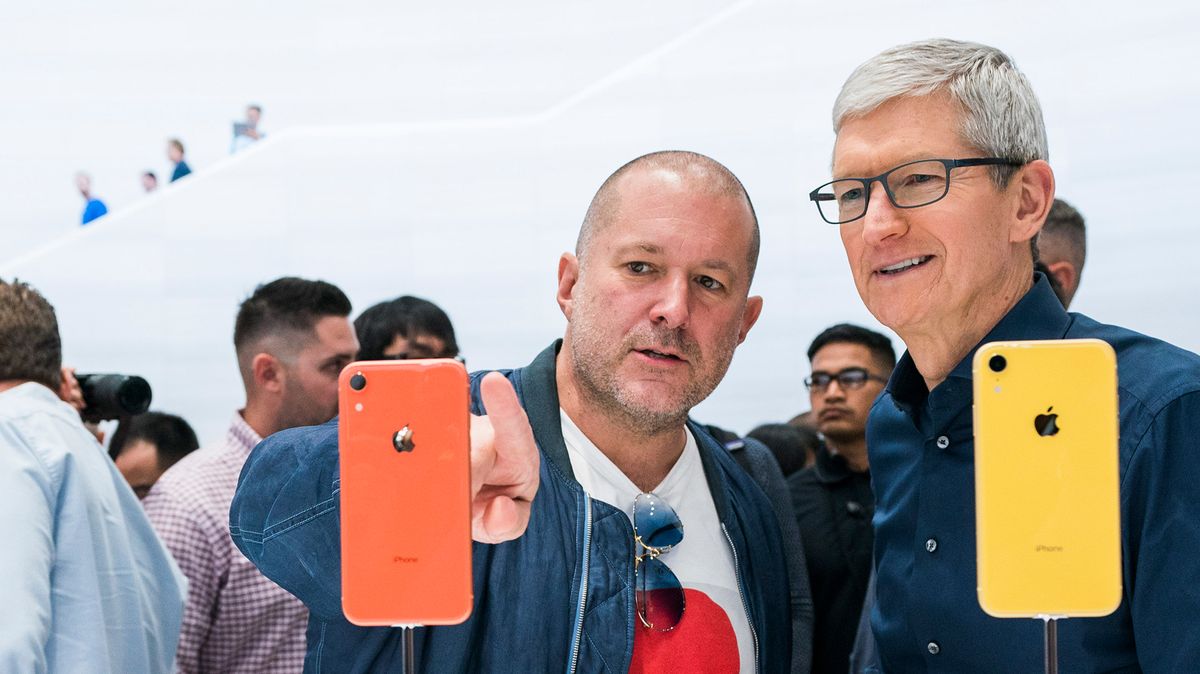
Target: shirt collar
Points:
(241, 435)
(831, 467)
(1038, 315)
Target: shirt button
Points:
(933, 648)
(943, 442)
(931, 545)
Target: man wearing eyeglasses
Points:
(832, 498)
(940, 188)
(647, 547)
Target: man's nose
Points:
(883, 219)
(671, 307)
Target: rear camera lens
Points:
(997, 363)
(358, 382)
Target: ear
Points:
(568, 275)
(1065, 273)
(754, 305)
(1034, 185)
(268, 372)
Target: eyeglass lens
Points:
(911, 185)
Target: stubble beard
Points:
(596, 363)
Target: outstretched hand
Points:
(504, 464)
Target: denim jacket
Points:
(558, 598)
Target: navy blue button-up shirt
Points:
(927, 615)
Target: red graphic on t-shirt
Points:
(703, 641)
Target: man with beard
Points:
(292, 338)
(656, 301)
(832, 499)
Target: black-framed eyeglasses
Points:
(912, 185)
(658, 593)
(848, 379)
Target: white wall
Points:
(452, 155)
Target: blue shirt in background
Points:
(181, 170)
(85, 584)
(94, 209)
(921, 445)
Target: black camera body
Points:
(113, 396)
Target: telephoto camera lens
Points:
(113, 396)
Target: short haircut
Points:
(30, 347)
(1001, 114)
(702, 171)
(405, 316)
(170, 435)
(287, 306)
(177, 144)
(150, 174)
(1065, 226)
(846, 333)
(790, 444)
(255, 107)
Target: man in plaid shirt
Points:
(292, 338)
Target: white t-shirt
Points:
(714, 634)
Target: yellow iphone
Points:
(1046, 486)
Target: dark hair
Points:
(30, 347)
(286, 304)
(790, 445)
(150, 174)
(170, 435)
(405, 316)
(1065, 224)
(845, 333)
(255, 107)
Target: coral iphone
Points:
(1046, 486)
(404, 447)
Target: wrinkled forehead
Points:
(900, 130)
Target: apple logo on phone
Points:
(1046, 424)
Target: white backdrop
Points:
(451, 153)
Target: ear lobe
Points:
(268, 372)
(1035, 196)
(754, 305)
(568, 275)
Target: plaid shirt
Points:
(236, 619)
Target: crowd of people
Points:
(839, 541)
(245, 133)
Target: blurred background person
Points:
(1062, 250)
(86, 584)
(93, 207)
(292, 338)
(403, 328)
(175, 153)
(146, 445)
(832, 499)
(794, 447)
(149, 181)
(246, 133)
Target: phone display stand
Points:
(1051, 641)
(407, 652)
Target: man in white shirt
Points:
(85, 584)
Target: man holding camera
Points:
(656, 298)
(292, 337)
(84, 582)
(940, 250)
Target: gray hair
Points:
(1001, 114)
